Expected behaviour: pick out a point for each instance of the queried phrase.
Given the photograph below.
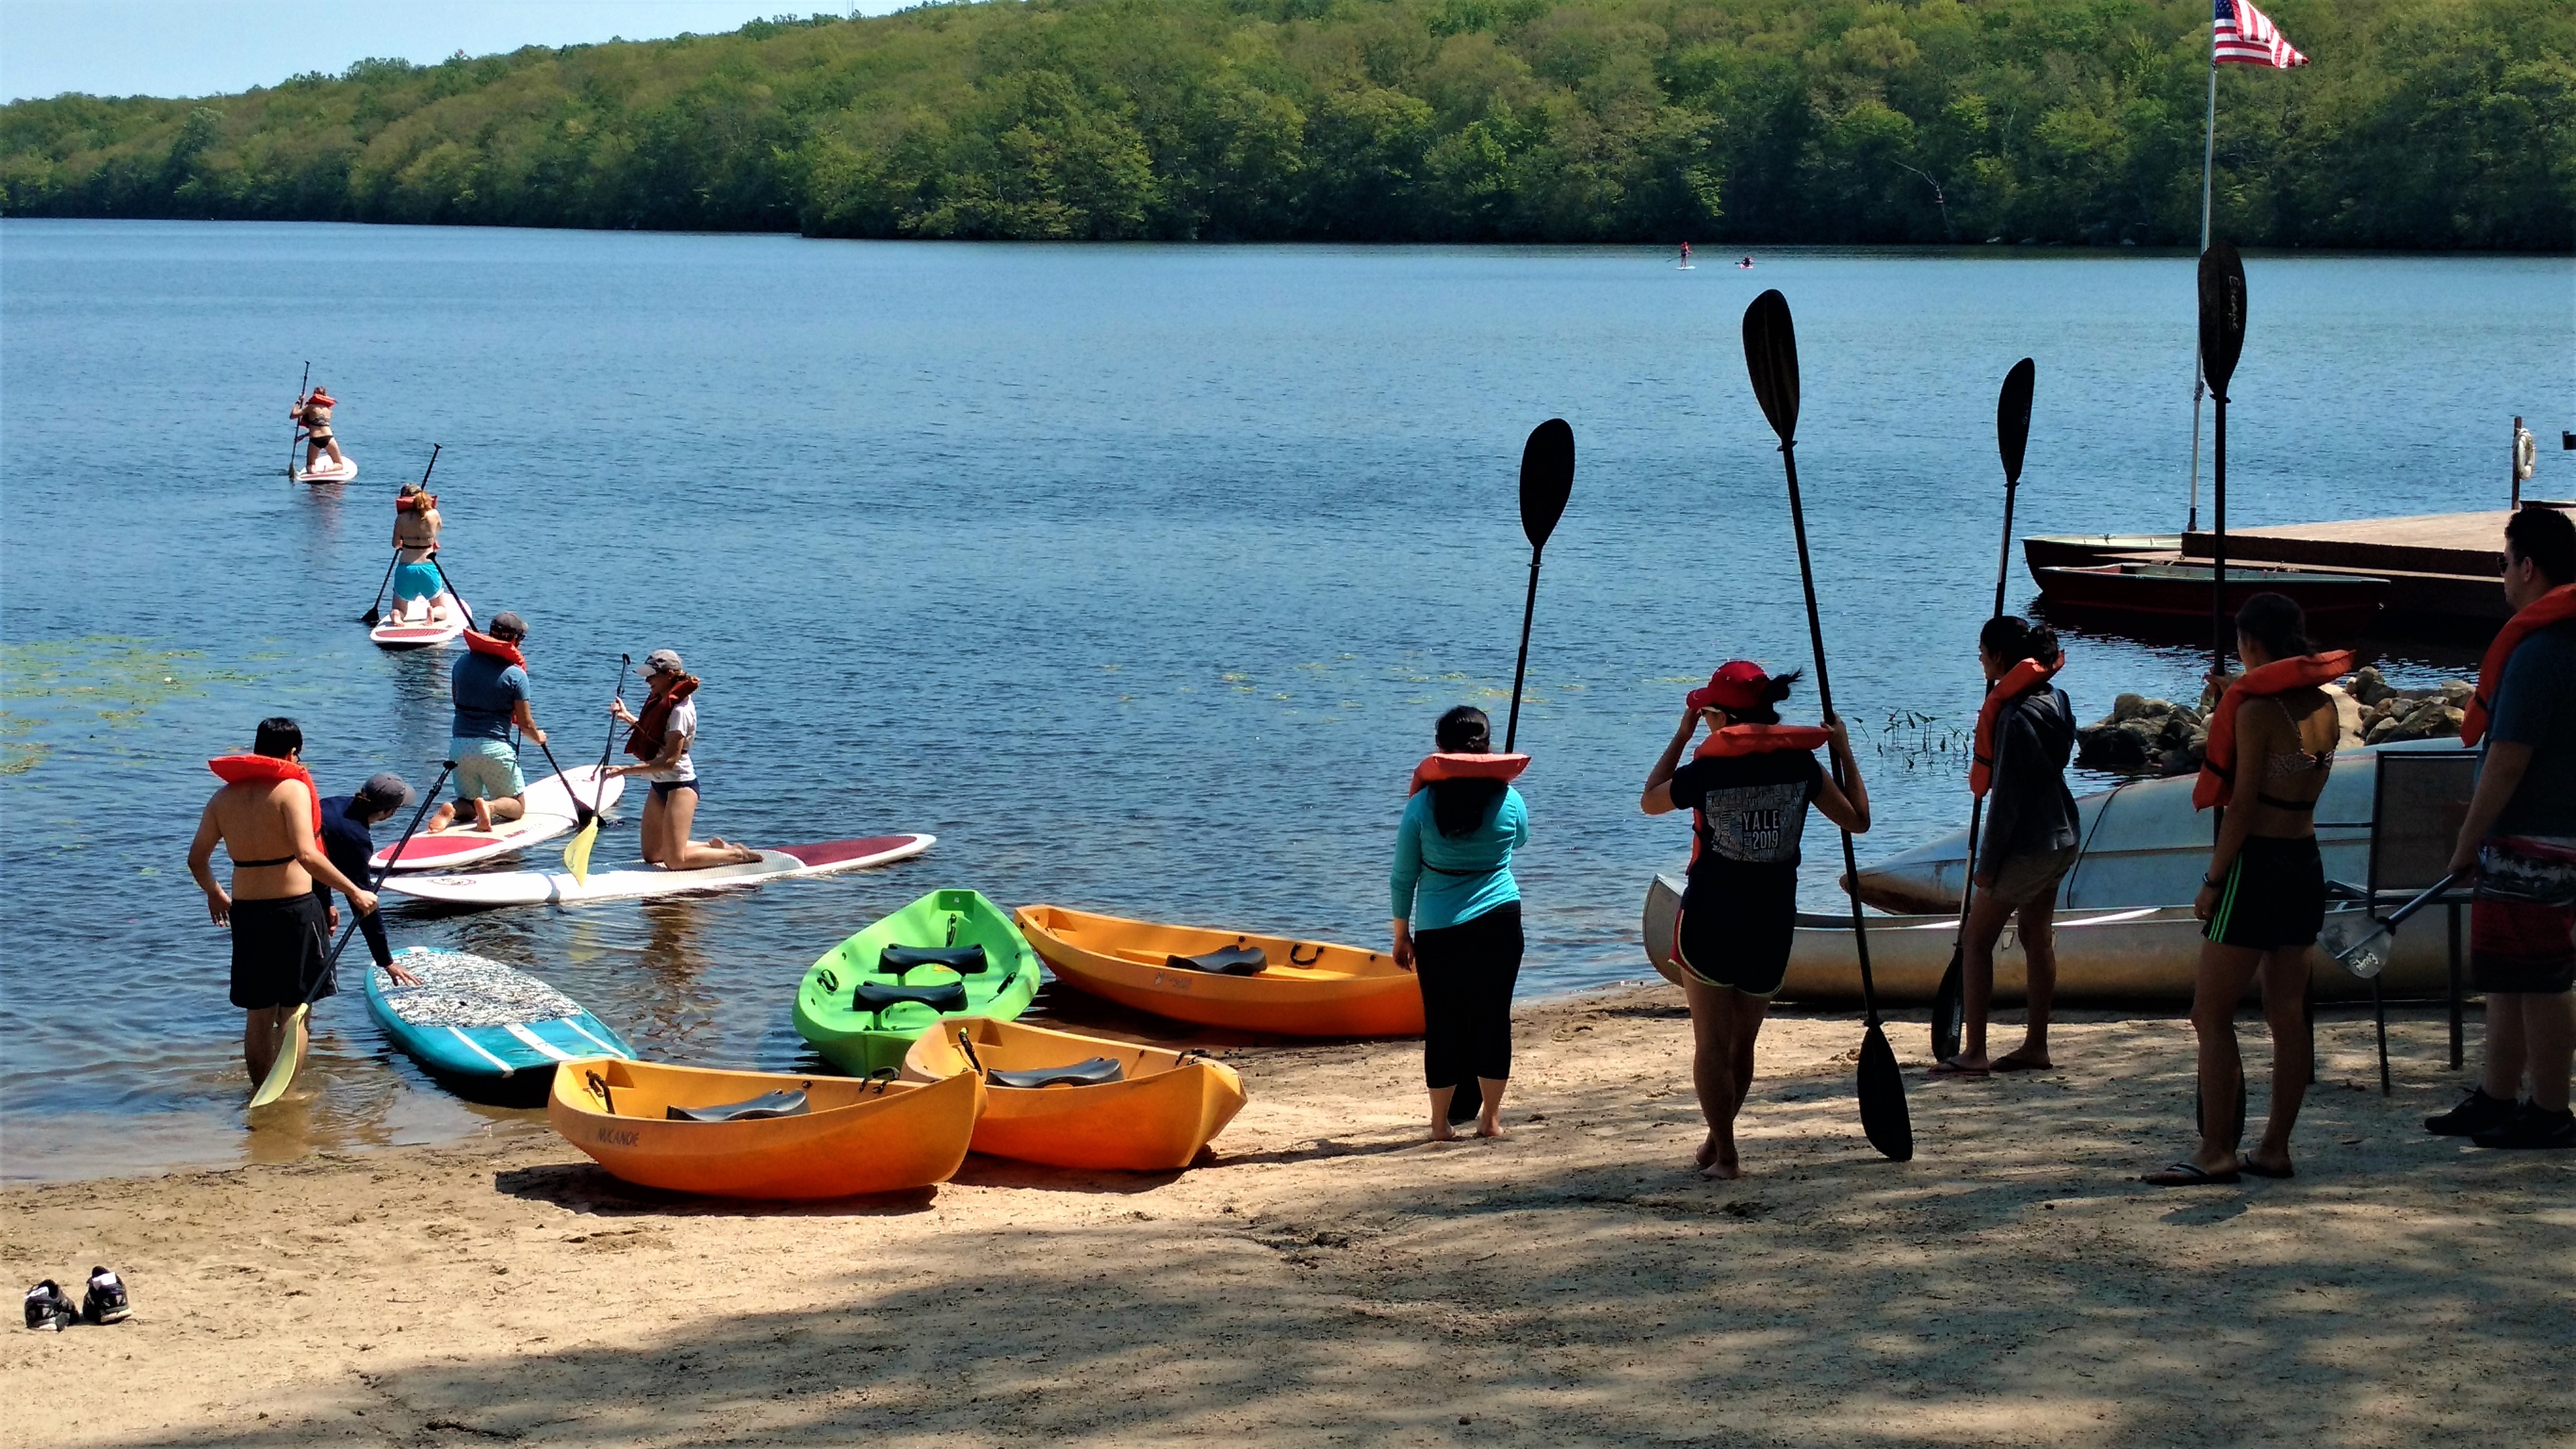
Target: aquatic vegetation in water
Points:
(105, 679)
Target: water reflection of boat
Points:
(2183, 591)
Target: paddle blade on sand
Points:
(1882, 1098)
(576, 855)
(290, 1059)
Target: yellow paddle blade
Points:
(290, 1057)
(577, 851)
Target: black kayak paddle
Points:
(1547, 480)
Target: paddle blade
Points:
(576, 852)
(371, 618)
(2012, 416)
(1547, 478)
(1771, 358)
(1882, 1098)
(290, 1059)
(1946, 1011)
(2222, 315)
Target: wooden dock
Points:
(2442, 568)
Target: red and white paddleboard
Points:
(550, 813)
(415, 630)
(531, 888)
(323, 472)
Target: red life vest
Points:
(644, 741)
(2556, 606)
(2217, 783)
(1761, 739)
(244, 769)
(1466, 767)
(2017, 681)
(497, 648)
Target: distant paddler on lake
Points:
(416, 576)
(312, 413)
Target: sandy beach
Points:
(1328, 1278)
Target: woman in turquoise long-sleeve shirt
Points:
(1458, 924)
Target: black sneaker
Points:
(48, 1309)
(2532, 1127)
(2476, 1113)
(105, 1302)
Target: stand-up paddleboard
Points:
(415, 630)
(550, 813)
(479, 1023)
(532, 888)
(323, 472)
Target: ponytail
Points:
(2011, 640)
(2276, 622)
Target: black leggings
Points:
(1468, 971)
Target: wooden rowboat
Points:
(1302, 988)
(844, 1137)
(1123, 1107)
(2079, 550)
(2139, 954)
(2172, 590)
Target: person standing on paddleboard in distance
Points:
(1457, 920)
(489, 686)
(346, 823)
(268, 818)
(2271, 746)
(2025, 735)
(661, 739)
(416, 525)
(1747, 788)
(312, 412)
(2520, 834)
(1686, 261)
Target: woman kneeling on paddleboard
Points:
(661, 739)
(1748, 788)
(1453, 879)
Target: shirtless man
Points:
(416, 525)
(313, 413)
(267, 818)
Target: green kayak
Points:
(948, 954)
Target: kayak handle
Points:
(1294, 960)
(600, 1089)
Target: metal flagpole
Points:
(2208, 154)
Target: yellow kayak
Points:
(763, 1134)
(1081, 1101)
(1228, 978)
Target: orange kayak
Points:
(1118, 1105)
(790, 1137)
(1301, 988)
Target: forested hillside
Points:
(2421, 123)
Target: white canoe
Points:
(550, 813)
(2143, 844)
(323, 472)
(415, 631)
(2140, 954)
(530, 888)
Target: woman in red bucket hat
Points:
(1747, 787)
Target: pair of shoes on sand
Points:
(2502, 1122)
(49, 1308)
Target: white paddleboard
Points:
(323, 472)
(414, 629)
(550, 813)
(531, 888)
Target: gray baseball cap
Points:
(385, 791)
(663, 661)
(507, 625)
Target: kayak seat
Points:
(874, 996)
(755, 1109)
(1095, 1072)
(964, 960)
(1231, 961)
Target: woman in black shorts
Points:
(2271, 746)
(1748, 788)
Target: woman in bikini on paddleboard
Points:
(661, 739)
(313, 413)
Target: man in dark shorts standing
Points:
(2520, 834)
(268, 818)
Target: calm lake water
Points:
(1137, 574)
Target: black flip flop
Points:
(2188, 1174)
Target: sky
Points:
(208, 47)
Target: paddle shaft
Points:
(600, 778)
(1529, 610)
(450, 585)
(1825, 700)
(585, 813)
(376, 605)
(295, 429)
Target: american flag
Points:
(2246, 36)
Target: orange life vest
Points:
(497, 648)
(644, 741)
(1760, 739)
(1466, 767)
(2017, 681)
(415, 502)
(2556, 606)
(2217, 783)
(244, 769)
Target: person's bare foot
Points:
(742, 854)
(1707, 1151)
(1440, 1133)
(442, 818)
(483, 817)
(1489, 1127)
(1724, 1167)
(2023, 1059)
